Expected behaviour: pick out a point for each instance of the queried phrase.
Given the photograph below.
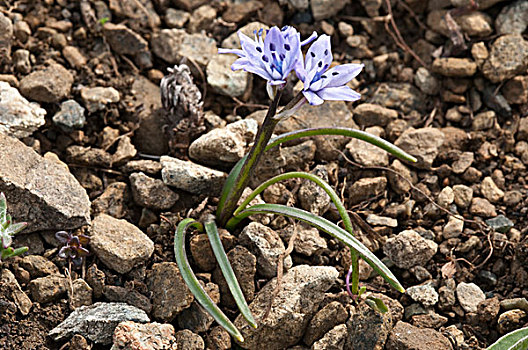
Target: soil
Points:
(494, 261)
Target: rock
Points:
(149, 167)
(401, 96)
(510, 320)
(308, 240)
(454, 67)
(368, 114)
(38, 266)
(74, 57)
(140, 15)
(202, 18)
(119, 244)
(50, 84)
(513, 18)
(522, 132)
(218, 339)
(453, 228)
(176, 18)
(191, 177)
(484, 121)
(82, 293)
(426, 82)
(446, 197)
(97, 322)
(516, 90)
(401, 184)
(482, 207)
(469, 295)
(500, 224)
(266, 245)
(324, 320)
(123, 40)
(405, 336)
(233, 41)
(151, 193)
(463, 162)
(88, 156)
(224, 145)
(21, 61)
(409, 249)
(170, 294)
(6, 34)
(508, 57)
(129, 296)
(368, 329)
(96, 279)
(430, 320)
(124, 152)
(422, 143)
(174, 44)
(223, 79)
(377, 220)
(185, 339)
(20, 298)
(368, 154)
(239, 12)
(322, 9)
(515, 303)
(490, 190)
(132, 335)
(49, 288)
(473, 23)
(195, 317)
(300, 293)
(496, 101)
(424, 294)
(463, 195)
(112, 201)
(366, 188)
(19, 118)
(313, 198)
(96, 98)
(39, 190)
(333, 340)
(70, 116)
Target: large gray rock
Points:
(508, 57)
(513, 19)
(40, 190)
(174, 44)
(422, 143)
(223, 79)
(50, 84)
(119, 244)
(301, 291)
(469, 295)
(409, 249)
(18, 117)
(97, 322)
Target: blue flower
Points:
(321, 83)
(272, 58)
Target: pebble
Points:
(119, 244)
(313, 198)
(408, 249)
(322, 9)
(308, 240)
(50, 84)
(38, 266)
(463, 195)
(367, 114)
(170, 294)
(400, 184)
(22, 31)
(130, 335)
(500, 224)
(19, 117)
(454, 67)
(425, 294)
(463, 162)
(21, 61)
(191, 177)
(82, 293)
(366, 153)
(446, 197)
(20, 298)
(151, 193)
(300, 293)
(127, 295)
(510, 320)
(334, 339)
(469, 295)
(406, 336)
(48, 288)
(513, 18)
(266, 245)
(508, 57)
(96, 98)
(490, 190)
(223, 79)
(6, 33)
(174, 44)
(365, 188)
(422, 143)
(515, 303)
(482, 207)
(204, 16)
(97, 322)
(476, 24)
(401, 96)
(70, 116)
(176, 18)
(224, 145)
(195, 317)
(516, 90)
(74, 57)
(453, 228)
(426, 81)
(123, 40)
(377, 220)
(124, 152)
(149, 167)
(483, 121)
(185, 339)
(496, 101)
(112, 201)
(324, 320)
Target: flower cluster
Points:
(72, 249)
(279, 53)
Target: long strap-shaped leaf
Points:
(227, 271)
(330, 228)
(192, 282)
(358, 134)
(516, 340)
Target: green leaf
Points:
(13, 229)
(3, 208)
(516, 340)
(10, 252)
(330, 228)
(192, 282)
(376, 304)
(228, 185)
(227, 271)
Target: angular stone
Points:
(123, 40)
(223, 79)
(405, 336)
(463, 162)
(453, 228)
(469, 295)
(185, 339)
(377, 220)
(426, 81)
(20, 298)
(176, 18)
(322, 9)
(151, 193)
(366, 153)
(129, 296)
(401, 184)
(368, 114)
(500, 224)
(82, 293)
(74, 57)
(132, 335)
(368, 329)
(174, 44)
(424, 294)
(70, 116)
(96, 98)
(50, 84)
(313, 198)
(454, 67)
(409, 249)
(97, 322)
(39, 190)
(324, 320)
(119, 244)
(333, 340)
(308, 240)
(482, 207)
(508, 57)
(513, 19)
(402, 96)
(463, 195)
(366, 188)
(516, 90)
(38, 266)
(422, 143)
(49, 288)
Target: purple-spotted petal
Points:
(233, 51)
(340, 75)
(340, 93)
(312, 98)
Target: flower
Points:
(272, 58)
(321, 83)
(73, 247)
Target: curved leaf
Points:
(516, 340)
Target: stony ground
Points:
(86, 146)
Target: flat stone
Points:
(422, 143)
(366, 153)
(322, 9)
(377, 220)
(408, 249)
(401, 96)
(48, 288)
(513, 18)
(151, 193)
(301, 291)
(334, 339)
(39, 190)
(38, 266)
(508, 57)
(50, 84)
(424, 294)
(70, 116)
(368, 114)
(308, 240)
(324, 320)
(119, 244)
(474, 23)
(405, 336)
(133, 335)
(500, 224)
(97, 322)
(113, 201)
(127, 295)
(174, 44)
(366, 188)
(469, 295)
(463, 162)
(191, 177)
(96, 98)
(223, 79)
(454, 67)
(149, 167)
(123, 40)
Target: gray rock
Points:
(368, 329)
(176, 18)
(333, 340)
(119, 244)
(400, 96)
(96, 98)
(366, 153)
(426, 82)
(40, 190)
(308, 240)
(224, 145)
(300, 293)
(368, 114)
(322, 9)
(463, 195)
(50, 84)
(500, 224)
(366, 188)
(508, 57)
(191, 177)
(482, 207)
(132, 335)
(151, 193)
(409, 249)
(49, 288)
(312, 197)
(170, 294)
(422, 143)
(513, 18)
(223, 79)
(425, 294)
(453, 228)
(174, 44)
(324, 320)
(469, 295)
(97, 322)
(405, 336)
(266, 245)
(454, 67)
(463, 162)
(20, 298)
(123, 40)
(18, 117)
(70, 117)
(113, 201)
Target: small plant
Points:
(7, 230)
(72, 249)
(273, 58)
(515, 340)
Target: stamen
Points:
(323, 76)
(282, 57)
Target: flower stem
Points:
(261, 141)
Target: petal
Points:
(309, 39)
(233, 51)
(249, 66)
(340, 75)
(319, 55)
(341, 93)
(62, 236)
(312, 98)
